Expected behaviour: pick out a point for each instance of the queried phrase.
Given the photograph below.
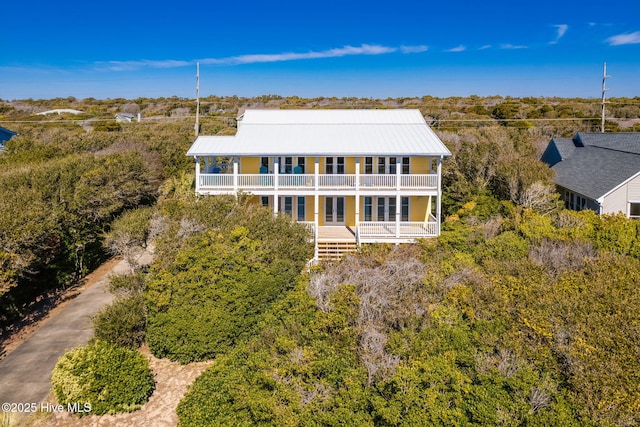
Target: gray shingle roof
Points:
(598, 162)
(628, 142)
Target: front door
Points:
(334, 210)
(386, 209)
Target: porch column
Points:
(438, 209)
(357, 222)
(398, 198)
(197, 174)
(276, 171)
(235, 175)
(316, 206)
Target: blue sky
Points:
(310, 48)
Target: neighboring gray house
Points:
(598, 171)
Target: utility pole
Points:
(197, 126)
(604, 90)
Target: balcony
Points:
(379, 231)
(345, 183)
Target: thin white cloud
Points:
(135, 65)
(414, 49)
(511, 46)
(460, 48)
(561, 31)
(485, 47)
(363, 49)
(623, 39)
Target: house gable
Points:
(597, 166)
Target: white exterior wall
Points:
(618, 200)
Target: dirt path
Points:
(41, 314)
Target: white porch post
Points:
(398, 198)
(357, 222)
(197, 174)
(276, 170)
(235, 175)
(438, 202)
(316, 206)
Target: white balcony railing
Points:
(295, 181)
(381, 229)
(248, 182)
(378, 181)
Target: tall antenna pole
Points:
(604, 91)
(197, 126)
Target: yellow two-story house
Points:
(357, 176)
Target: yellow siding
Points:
(418, 208)
(308, 206)
(250, 165)
(350, 210)
(421, 165)
(321, 209)
(350, 165)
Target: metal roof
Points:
(325, 133)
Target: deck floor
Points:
(336, 233)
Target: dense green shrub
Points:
(221, 264)
(110, 378)
(123, 322)
(533, 323)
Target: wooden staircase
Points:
(335, 242)
(334, 250)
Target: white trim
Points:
(618, 186)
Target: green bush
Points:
(123, 322)
(110, 378)
(213, 294)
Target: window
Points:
(301, 213)
(328, 167)
(404, 212)
(288, 206)
(301, 164)
(392, 209)
(581, 203)
(288, 165)
(392, 165)
(406, 166)
(368, 208)
(381, 208)
(634, 210)
(368, 165)
(265, 201)
(334, 165)
(574, 201)
(382, 165)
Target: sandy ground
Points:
(172, 382)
